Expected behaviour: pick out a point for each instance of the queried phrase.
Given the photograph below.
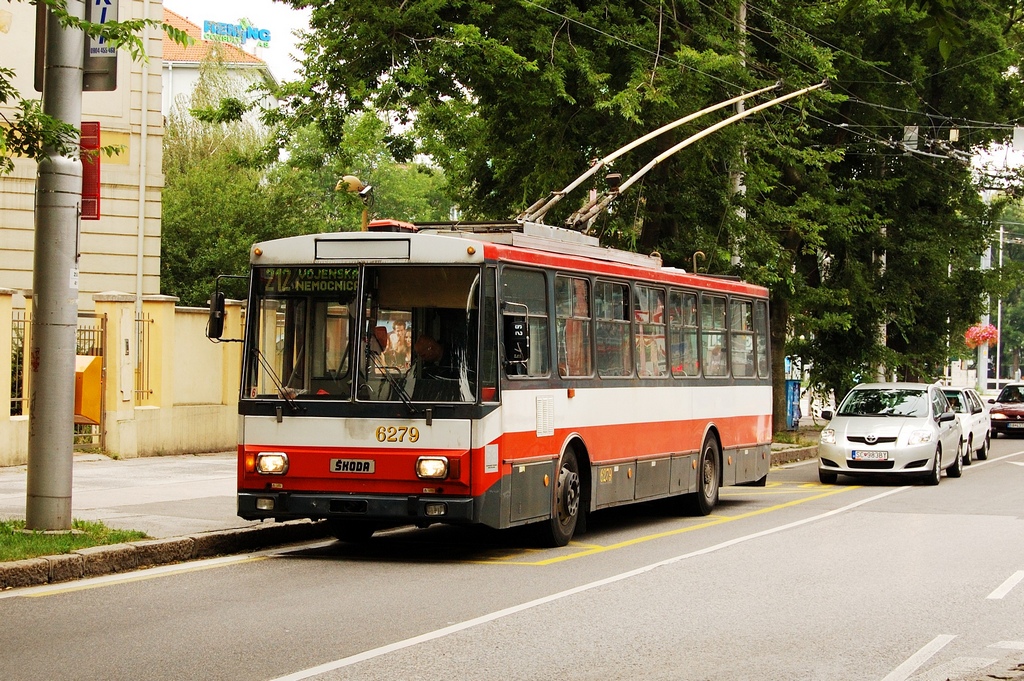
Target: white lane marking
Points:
(904, 671)
(505, 612)
(1016, 463)
(1007, 586)
(955, 669)
(1009, 645)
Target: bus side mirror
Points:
(215, 326)
(517, 344)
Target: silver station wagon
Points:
(905, 429)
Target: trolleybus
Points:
(500, 374)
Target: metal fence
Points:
(18, 396)
(143, 325)
(89, 340)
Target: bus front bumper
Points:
(391, 508)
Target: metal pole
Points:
(981, 378)
(55, 290)
(999, 316)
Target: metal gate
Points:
(90, 339)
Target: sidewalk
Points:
(166, 496)
(185, 503)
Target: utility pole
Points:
(55, 289)
(739, 188)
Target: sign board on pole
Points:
(90, 146)
(100, 56)
(100, 61)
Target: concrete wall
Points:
(191, 401)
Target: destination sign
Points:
(309, 279)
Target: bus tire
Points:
(351, 531)
(565, 511)
(704, 500)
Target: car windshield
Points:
(885, 402)
(1011, 393)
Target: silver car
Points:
(974, 420)
(903, 429)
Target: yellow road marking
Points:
(593, 549)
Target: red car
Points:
(1008, 410)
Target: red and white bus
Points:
(499, 374)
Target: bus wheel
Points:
(352, 531)
(706, 497)
(566, 512)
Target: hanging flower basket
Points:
(981, 334)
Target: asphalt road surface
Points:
(883, 580)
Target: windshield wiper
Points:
(285, 393)
(404, 396)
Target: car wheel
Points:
(558, 530)
(935, 474)
(956, 469)
(969, 450)
(983, 452)
(706, 497)
(827, 478)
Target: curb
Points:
(793, 454)
(112, 558)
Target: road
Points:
(795, 580)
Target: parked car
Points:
(905, 429)
(974, 420)
(1007, 410)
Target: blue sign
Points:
(236, 34)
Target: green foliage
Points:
(16, 544)
(870, 250)
(225, 189)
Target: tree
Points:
(225, 188)
(217, 201)
(852, 232)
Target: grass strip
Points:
(16, 544)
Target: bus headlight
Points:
(272, 463)
(432, 467)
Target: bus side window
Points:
(572, 310)
(524, 292)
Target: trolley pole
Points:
(55, 290)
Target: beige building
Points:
(121, 250)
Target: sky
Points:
(278, 18)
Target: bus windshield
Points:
(408, 334)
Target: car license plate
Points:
(352, 466)
(1015, 425)
(869, 456)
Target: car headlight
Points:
(272, 463)
(432, 466)
(920, 437)
(828, 436)
(997, 416)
